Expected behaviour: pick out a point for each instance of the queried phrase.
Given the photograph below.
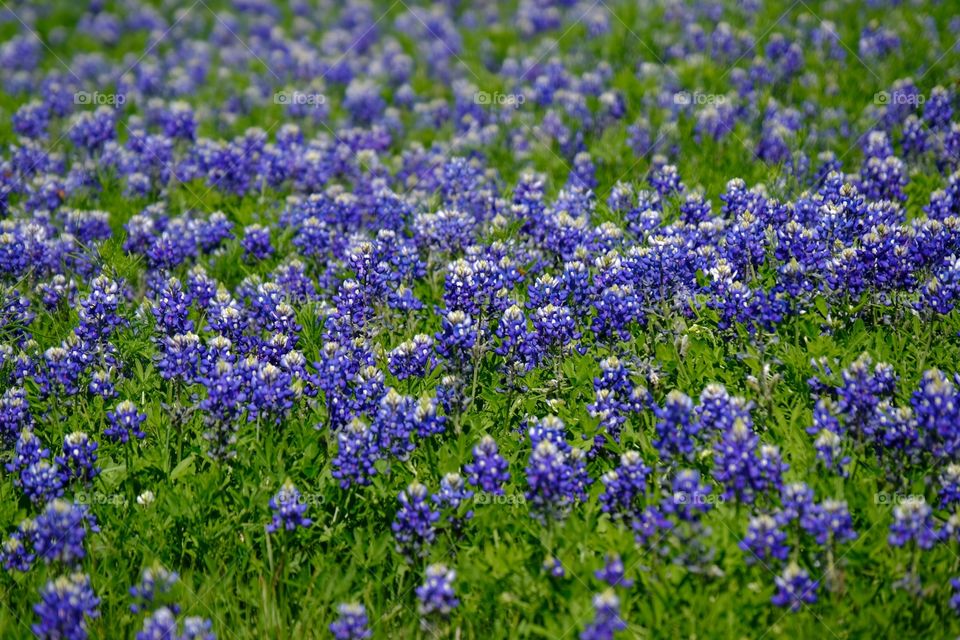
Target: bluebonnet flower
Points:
(764, 540)
(718, 411)
(58, 533)
(101, 385)
(829, 441)
(452, 494)
(15, 416)
(197, 628)
(583, 173)
(457, 336)
(57, 292)
(555, 327)
(695, 209)
(79, 458)
(829, 448)
(362, 100)
(99, 310)
(42, 481)
(14, 554)
(162, 625)
(395, 424)
(488, 471)
(226, 391)
(666, 180)
(796, 499)
(617, 307)
(606, 619)
(61, 372)
(179, 356)
(171, 308)
(937, 110)
(936, 408)
(955, 595)
(556, 479)
(688, 497)
(90, 130)
(913, 521)
(271, 392)
(553, 567)
(624, 486)
(352, 622)
(356, 453)
(411, 358)
(862, 389)
(950, 486)
(289, 509)
(66, 604)
(256, 242)
(32, 119)
(677, 428)
(155, 581)
(426, 419)
(795, 588)
(828, 522)
(125, 421)
(414, 526)
(436, 594)
(613, 572)
(516, 341)
(213, 232)
(735, 460)
(27, 450)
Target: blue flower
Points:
(795, 588)
(414, 526)
(125, 421)
(764, 540)
(488, 471)
(436, 594)
(606, 618)
(66, 604)
(613, 572)
(351, 623)
(288, 509)
(913, 521)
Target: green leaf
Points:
(184, 468)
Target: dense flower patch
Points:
(511, 319)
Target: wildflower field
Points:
(496, 319)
